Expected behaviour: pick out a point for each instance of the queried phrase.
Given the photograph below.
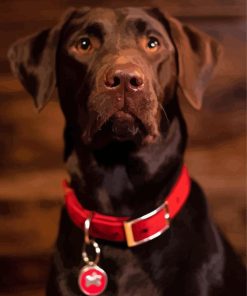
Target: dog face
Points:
(115, 70)
(119, 59)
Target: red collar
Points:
(121, 229)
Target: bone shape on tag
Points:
(94, 279)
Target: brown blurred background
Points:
(31, 167)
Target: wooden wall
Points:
(31, 167)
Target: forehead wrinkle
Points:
(136, 14)
(149, 22)
(88, 28)
(104, 17)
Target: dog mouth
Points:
(125, 126)
(121, 127)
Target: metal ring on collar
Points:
(87, 225)
(97, 251)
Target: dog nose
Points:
(130, 78)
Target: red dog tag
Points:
(92, 280)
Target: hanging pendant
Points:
(92, 279)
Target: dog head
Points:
(115, 70)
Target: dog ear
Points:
(198, 54)
(33, 61)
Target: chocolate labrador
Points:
(119, 74)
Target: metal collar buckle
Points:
(131, 242)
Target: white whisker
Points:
(163, 109)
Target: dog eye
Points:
(153, 43)
(85, 44)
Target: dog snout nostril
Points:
(131, 79)
(136, 82)
(113, 81)
(116, 81)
